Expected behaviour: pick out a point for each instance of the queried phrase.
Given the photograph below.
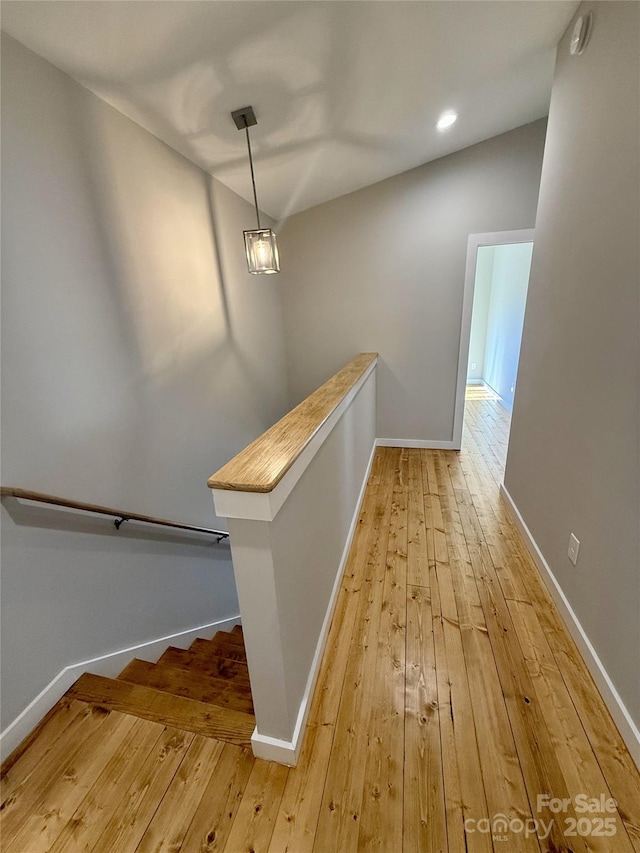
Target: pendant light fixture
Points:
(260, 245)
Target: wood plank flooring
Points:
(480, 391)
(450, 698)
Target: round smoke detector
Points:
(580, 34)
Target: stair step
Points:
(150, 704)
(192, 685)
(237, 629)
(231, 651)
(229, 637)
(206, 664)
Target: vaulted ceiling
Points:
(346, 92)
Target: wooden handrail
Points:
(120, 517)
(261, 466)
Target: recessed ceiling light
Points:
(446, 120)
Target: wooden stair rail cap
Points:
(261, 465)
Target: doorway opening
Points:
(497, 278)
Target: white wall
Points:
(310, 532)
(480, 313)
(573, 462)
(505, 318)
(289, 547)
(382, 270)
(138, 356)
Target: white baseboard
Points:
(613, 701)
(417, 443)
(109, 665)
(271, 749)
(288, 752)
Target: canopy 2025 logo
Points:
(592, 817)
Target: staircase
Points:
(204, 689)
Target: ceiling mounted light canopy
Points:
(260, 244)
(446, 120)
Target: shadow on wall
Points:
(158, 240)
(147, 337)
(171, 251)
(253, 65)
(135, 359)
(43, 518)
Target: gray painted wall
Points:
(573, 461)
(382, 269)
(505, 318)
(138, 355)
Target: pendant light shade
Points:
(260, 245)
(262, 251)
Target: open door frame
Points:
(494, 238)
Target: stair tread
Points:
(231, 651)
(229, 637)
(192, 685)
(150, 704)
(206, 664)
(237, 629)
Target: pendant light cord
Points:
(253, 180)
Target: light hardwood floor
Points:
(481, 392)
(450, 693)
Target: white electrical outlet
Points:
(574, 547)
(473, 365)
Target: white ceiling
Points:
(347, 92)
